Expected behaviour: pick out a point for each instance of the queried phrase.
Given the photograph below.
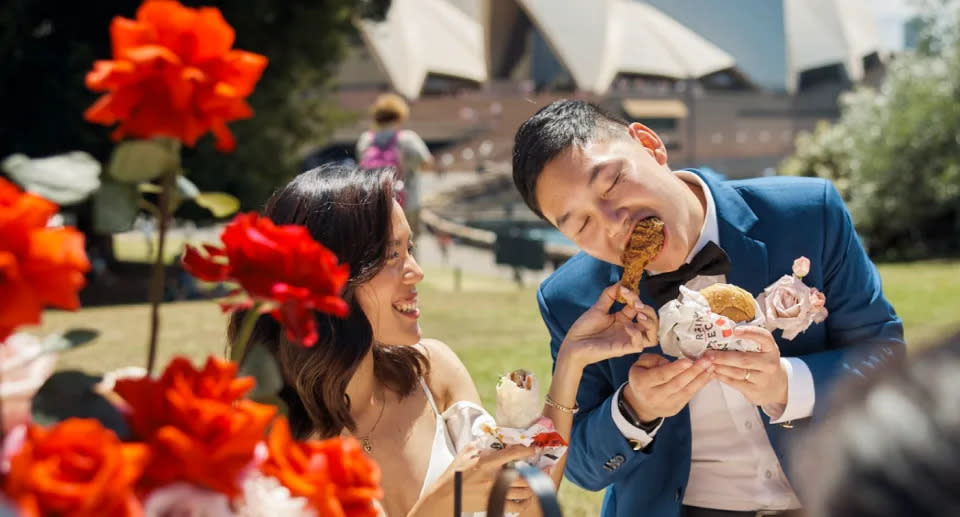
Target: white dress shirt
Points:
(733, 466)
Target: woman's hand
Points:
(480, 469)
(599, 334)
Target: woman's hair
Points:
(349, 211)
(389, 108)
(891, 446)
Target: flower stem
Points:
(238, 352)
(157, 282)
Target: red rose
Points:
(77, 468)
(334, 475)
(197, 423)
(280, 265)
(39, 266)
(174, 74)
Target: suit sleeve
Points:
(598, 451)
(863, 331)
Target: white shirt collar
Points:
(710, 231)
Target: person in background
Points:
(388, 144)
(891, 444)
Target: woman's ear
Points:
(649, 139)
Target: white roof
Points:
(826, 32)
(426, 36)
(774, 41)
(597, 39)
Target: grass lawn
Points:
(494, 327)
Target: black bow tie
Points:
(711, 260)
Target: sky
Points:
(890, 16)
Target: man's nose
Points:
(614, 218)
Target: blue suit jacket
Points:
(764, 225)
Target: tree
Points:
(47, 46)
(894, 153)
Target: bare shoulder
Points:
(449, 380)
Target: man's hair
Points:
(550, 132)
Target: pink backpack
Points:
(384, 151)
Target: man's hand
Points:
(659, 388)
(758, 375)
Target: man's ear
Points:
(648, 138)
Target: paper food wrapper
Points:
(541, 434)
(688, 327)
(518, 399)
(520, 420)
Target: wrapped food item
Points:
(520, 422)
(646, 241)
(731, 301)
(689, 325)
(519, 403)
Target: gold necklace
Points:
(365, 439)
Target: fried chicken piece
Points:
(645, 243)
(730, 301)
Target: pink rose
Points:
(801, 267)
(25, 367)
(818, 302)
(792, 306)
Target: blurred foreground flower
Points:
(39, 266)
(334, 475)
(174, 74)
(281, 267)
(197, 422)
(65, 179)
(77, 468)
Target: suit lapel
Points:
(748, 256)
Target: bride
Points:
(373, 375)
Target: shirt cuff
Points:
(628, 430)
(800, 393)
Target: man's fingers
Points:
(736, 383)
(607, 298)
(758, 335)
(684, 394)
(647, 361)
(685, 377)
(732, 372)
(743, 360)
(665, 373)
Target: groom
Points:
(708, 437)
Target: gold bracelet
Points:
(554, 404)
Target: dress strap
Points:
(426, 389)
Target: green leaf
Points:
(72, 338)
(135, 161)
(115, 207)
(220, 204)
(260, 364)
(69, 394)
